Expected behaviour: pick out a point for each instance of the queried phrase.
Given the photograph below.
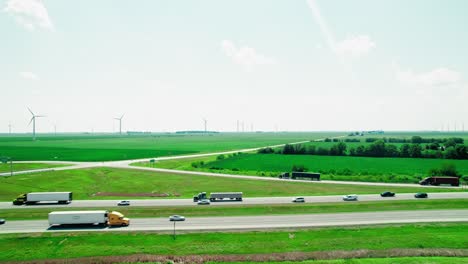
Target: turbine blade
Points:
(122, 116)
(31, 111)
(31, 120)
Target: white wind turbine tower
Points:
(205, 123)
(120, 123)
(33, 120)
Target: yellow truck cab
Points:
(117, 219)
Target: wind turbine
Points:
(206, 124)
(120, 123)
(33, 120)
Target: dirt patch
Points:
(288, 256)
(137, 194)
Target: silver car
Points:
(350, 197)
(298, 200)
(204, 202)
(123, 203)
(176, 218)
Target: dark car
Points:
(2, 221)
(387, 194)
(420, 195)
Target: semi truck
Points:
(100, 217)
(437, 180)
(313, 176)
(36, 197)
(218, 196)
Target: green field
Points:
(408, 170)
(88, 183)
(27, 166)
(111, 147)
(385, 239)
(32, 213)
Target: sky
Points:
(286, 65)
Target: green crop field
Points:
(111, 147)
(106, 183)
(34, 213)
(334, 168)
(384, 240)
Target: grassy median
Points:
(251, 210)
(449, 236)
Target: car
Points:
(176, 218)
(387, 194)
(298, 200)
(121, 203)
(350, 197)
(420, 195)
(2, 221)
(204, 202)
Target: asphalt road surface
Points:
(252, 222)
(247, 201)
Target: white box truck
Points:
(36, 197)
(100, 217)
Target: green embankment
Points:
(405, 260)
(251, 210)
(27, 166)
(107, 183)
(408, 236)
(112, 147)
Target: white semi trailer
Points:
(100, 217)
(36, 197)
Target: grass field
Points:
(27, 166)
(333, 168)
(389, 237)
(87, 183)
(249, 210)
(111, 147)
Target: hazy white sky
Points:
(300, 65)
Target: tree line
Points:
(444, 150)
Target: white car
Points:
(176, 218)
(350, 197)
(298, 200)
(122, 203)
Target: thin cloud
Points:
(355, 46)
(29, 76)
(31, 14)
(245, 56)
(437, 77)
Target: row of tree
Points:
(376, 149)
(448, 142)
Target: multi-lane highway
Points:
(247, 201)
(253, 222)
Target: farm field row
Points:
(102, 148)
(405, 170)
(385, 239)
(110, 183)
(249, 210)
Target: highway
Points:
(247, 201)
(253, 222)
